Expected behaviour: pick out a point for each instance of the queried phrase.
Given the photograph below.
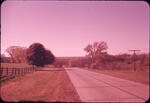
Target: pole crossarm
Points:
(134, 50)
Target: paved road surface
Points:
(96, 87)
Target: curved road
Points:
(96, 87)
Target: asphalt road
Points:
(96, 87)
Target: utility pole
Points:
(134, 55)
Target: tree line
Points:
(36, 54)
(96, 57)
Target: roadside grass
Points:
(47, 85)
(15, 65)
(137, 76)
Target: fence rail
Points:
(8, 73)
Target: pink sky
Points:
(66, 27)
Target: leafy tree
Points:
(38, 55)
(96, 52)
(49, 57)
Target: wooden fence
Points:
(8, 73)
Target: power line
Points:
(134, 55)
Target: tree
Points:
(49, 57)
(2, 58)
(17, 54)
(74, 62)
(20, 55)
(10, 50)
(142, 60)
(96, 51)
(61, 61)
(38, 55)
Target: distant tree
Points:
(20, 55)
(74, 62)
(142, 59)
(10, 50)
(17, 54)
(5, 59)
(2, 58)
(96, 52)
(147, 60)
(38, 55)
(59, 63)
(83, 62)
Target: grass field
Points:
(47, 85)
(15, 65)
(138, 76)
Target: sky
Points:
(67, 27)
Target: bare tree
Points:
(10, 50)
(17, 54)
(96, 50)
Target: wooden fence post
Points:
(23, 71)
(7, 71)
(1, 71)
(12, 71)
(15, 71)
(18, 71)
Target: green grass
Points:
(15, 65)
(137, 76)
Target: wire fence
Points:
(9, 73)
